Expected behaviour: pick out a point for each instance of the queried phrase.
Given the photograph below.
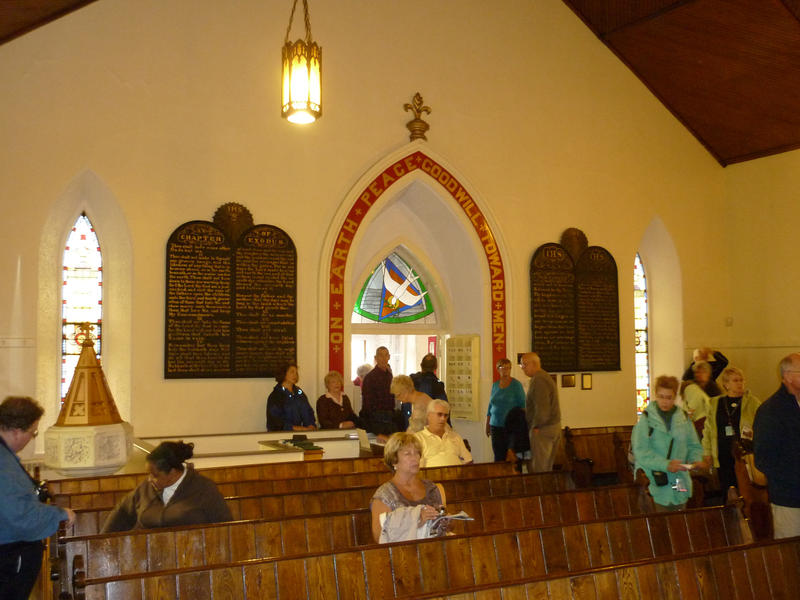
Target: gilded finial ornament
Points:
(417, 126)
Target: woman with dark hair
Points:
(174, 494)
(24, 520)
(287, 406)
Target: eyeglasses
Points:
(33, 433)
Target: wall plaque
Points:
(575, 305)
(231, 289)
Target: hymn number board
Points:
(231, 298)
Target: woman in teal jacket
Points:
(664, 442)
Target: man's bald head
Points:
(790, 373)
(530, 363)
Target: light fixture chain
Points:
(308, 22)
(291, 18)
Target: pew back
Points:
(283, 470)
(124, 553)
(411, 569)
(89, 521)
(757, 571)
(109, 498)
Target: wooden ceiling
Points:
(729, 70)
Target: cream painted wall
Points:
(174, 105)
(761, 224)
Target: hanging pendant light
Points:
(302, 75)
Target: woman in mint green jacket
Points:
(665, 446)
(730, 418)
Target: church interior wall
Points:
(174, 106)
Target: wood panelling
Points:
(729, 70)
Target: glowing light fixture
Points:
(302, 75)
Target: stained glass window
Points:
(642, 348)
(393, 293)
(82, 296)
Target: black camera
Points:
(42, 492)
(660, 478)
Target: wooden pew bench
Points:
(599, 445)
(435, 566)
(89, 521)
(284, 470)
(760, 570)
(105, 499)
(123, 553)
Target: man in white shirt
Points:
(441, 446)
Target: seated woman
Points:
(412, 403)
(333, 408)
(404, 504)
(441, 446)
(287, 406)
(174, 494)
(730, 418)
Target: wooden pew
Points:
(283, 470)
(121, 553)
(595, 444)
(753, 494)
(435, 566)
(104, 499)
(765, 570)
(279, 505)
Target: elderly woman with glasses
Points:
(507, 393)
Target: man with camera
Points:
(24, 519)
(666, 447)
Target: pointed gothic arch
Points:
(415, 163)
(85, 193)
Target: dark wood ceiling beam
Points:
(18, 17)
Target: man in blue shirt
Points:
(24, 520)
(776, 448)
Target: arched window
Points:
(82, 295)
(641, 348)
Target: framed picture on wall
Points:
(567, 381)
(586, 381)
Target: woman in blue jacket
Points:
(665, 446)
(288, 408)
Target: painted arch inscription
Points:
(368, 197)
